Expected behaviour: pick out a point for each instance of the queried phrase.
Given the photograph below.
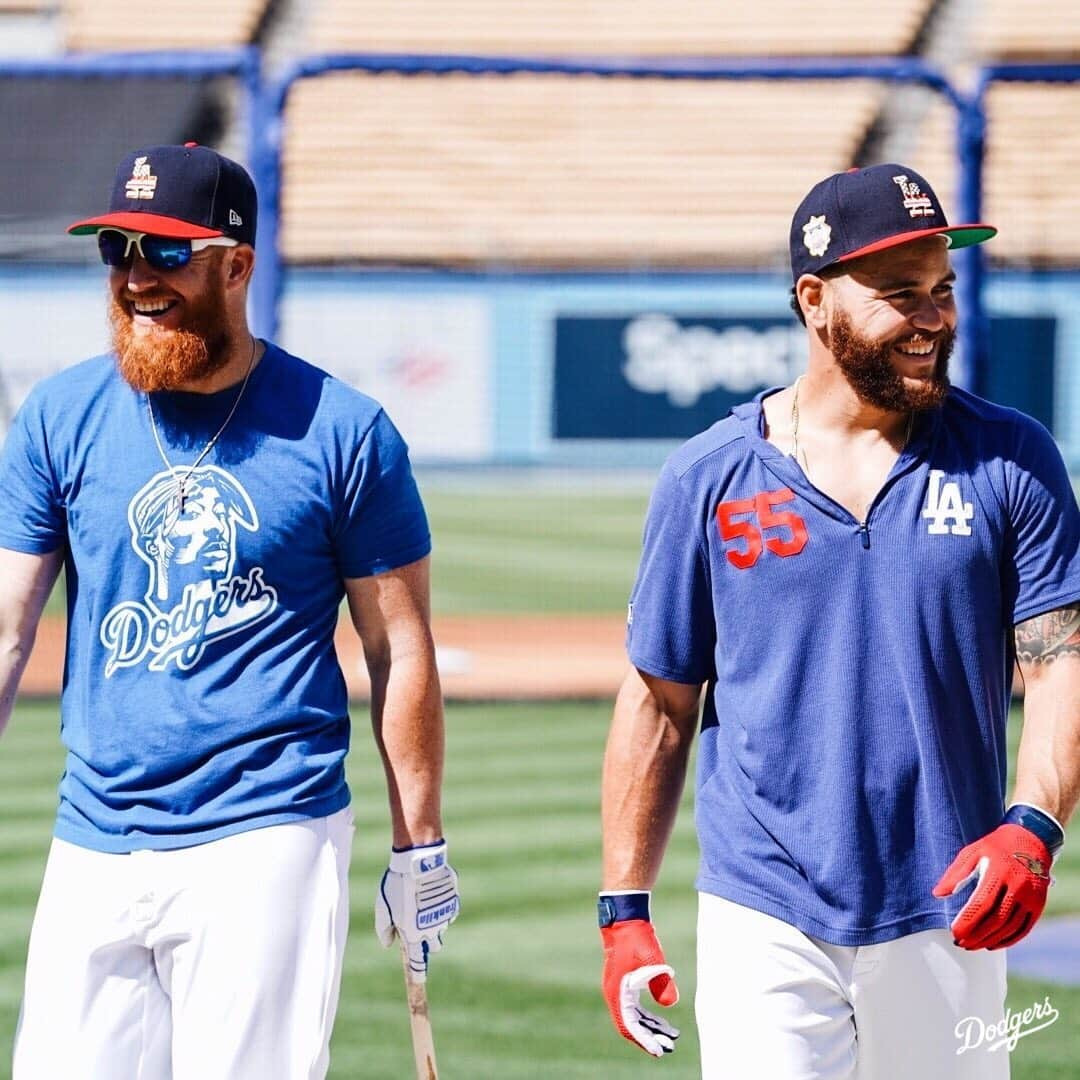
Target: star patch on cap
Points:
(816, 235)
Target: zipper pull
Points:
(864, 533)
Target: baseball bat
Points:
(420, 1024)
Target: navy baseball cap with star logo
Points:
(189, 192)
(861, 211)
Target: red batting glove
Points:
(633, 959)
(1012, 866)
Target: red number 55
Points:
(749, 532)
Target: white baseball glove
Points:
(417, 900)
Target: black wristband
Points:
(1037, 822)
(619, 907)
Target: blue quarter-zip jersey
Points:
(853, 735)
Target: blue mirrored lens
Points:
(165, 252)
(161, 252)
(112, 245)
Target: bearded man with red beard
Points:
(848, 567)
(213, 499)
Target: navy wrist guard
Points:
(619, 907)
(1037, 822)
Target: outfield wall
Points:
(583, 369)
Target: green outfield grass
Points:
(533, 549)
(515, 994)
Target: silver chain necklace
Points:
(795, 428)
(181, 481)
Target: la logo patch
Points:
(816, 235)
(945, 507)
(143, 182)
(915, 202)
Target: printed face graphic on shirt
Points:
(201, 534)
(193, 596)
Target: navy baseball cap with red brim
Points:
(861, 211)
(186, 192)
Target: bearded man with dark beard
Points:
(214, 499)
(838, 565)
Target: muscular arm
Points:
(1048, 766)
(25, 584)
(644, 771)
(391, 613)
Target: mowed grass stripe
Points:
(532, 550)
(596, 516)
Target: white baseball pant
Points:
(220, 961)
(773, 1002)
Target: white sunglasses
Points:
(161, 252)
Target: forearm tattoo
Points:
(1048, 636)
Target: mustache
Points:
(144, 298)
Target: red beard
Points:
(167, 359)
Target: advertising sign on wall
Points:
(652, 376)
(426, 357)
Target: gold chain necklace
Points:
(181, 481)
(795, 429)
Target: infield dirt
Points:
(481, 657)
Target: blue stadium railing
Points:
(265, 103)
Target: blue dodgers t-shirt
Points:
(202, 695)
(853, 735)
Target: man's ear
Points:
(241, 263)
(810, 292)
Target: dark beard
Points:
(167, 359)
(868, 367)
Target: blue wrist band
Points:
(1034, 820)
(622, 906)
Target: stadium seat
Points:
(552, 170)
(613, 27)
(1032, 160)
(1033, 30)
(194, 24)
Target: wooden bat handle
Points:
(420, 1024)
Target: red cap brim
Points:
(139, 221)
(958, 236)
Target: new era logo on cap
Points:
(861, 211)
(187, 191)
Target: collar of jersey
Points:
(750, 415)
